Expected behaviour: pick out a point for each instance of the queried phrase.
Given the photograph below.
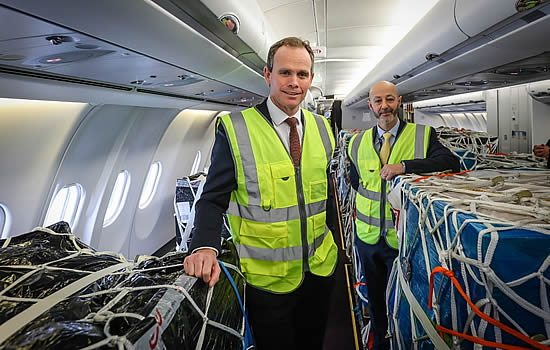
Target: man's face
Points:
(290, 78)
(384, 103)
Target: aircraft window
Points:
(5, 220)
(65, 205)
(118, 198)
(196, 163)
(150, 186)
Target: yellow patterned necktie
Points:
(385, 149)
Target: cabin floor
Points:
(339, 334)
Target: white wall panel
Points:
(430, 119)
(33, 138)
(189, 132)
(514, 118)
(145, 128)
(357, 118)
(541, 122)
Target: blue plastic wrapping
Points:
(503, 269)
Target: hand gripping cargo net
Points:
(58, 293)
(473, 268)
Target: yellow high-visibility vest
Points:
(277, 214)
(370, 209)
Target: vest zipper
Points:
(303, 220)
(299, 190)
(383, 231)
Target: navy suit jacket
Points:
(220, 182)
(438, 158)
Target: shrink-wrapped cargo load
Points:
(58, 293)
(474, 261)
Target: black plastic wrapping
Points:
(169, 319)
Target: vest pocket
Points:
(284, 184)
(266, 237)
(264, 268)
(318, 190)
(322, 251)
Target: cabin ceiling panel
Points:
(353, 30)
(298, 19)
(359, 36)
(268, 5)
(355, 52)
(345, 13)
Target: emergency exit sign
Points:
(319, 51)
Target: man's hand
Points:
(390, 170)
(203, 264)
(541, 151)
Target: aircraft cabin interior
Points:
(109, 113)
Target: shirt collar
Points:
(278, 116)
(393, 130)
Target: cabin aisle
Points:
(339, 333)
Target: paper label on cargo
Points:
(184, 209)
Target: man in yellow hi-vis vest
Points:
(269, 171)
(392, 147)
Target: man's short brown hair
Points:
(292, 42)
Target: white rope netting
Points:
(465, 224)
(86, 285)
(478, 150)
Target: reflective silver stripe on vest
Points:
(317, 243)
(419, 142)
(373, 196)
(370, 220)
(278, 254)
(355, 148)
(257, 213)
(324, 136)
(247, 157)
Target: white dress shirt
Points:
(282, 128)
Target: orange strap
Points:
(441, 175)
(358, 283)
(487, 318)
(483, 342)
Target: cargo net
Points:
(188, 190)
(346, 193)
(473, 268)
(58, 293)
(478, 150)
(346, 201)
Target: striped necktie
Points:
(385, 149)
(295, 148)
